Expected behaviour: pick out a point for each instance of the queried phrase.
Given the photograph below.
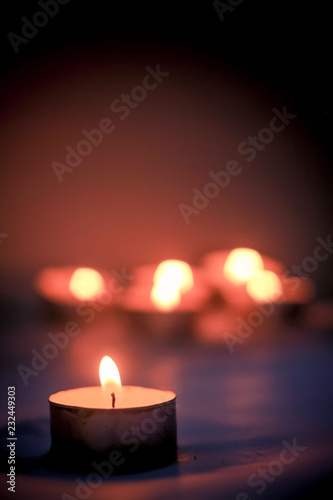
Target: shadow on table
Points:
(233, 461)
(196, 456)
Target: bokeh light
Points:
(86, 283)
(241, 264)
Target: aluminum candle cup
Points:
(138, 434)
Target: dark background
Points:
(286, 44)
(120, 206)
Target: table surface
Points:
(236, 413)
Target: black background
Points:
(286, 44)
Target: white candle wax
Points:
(127, 396)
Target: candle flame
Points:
(242, 264)
(86, 283)
(264, 286)
(171, 279)
(109, 375)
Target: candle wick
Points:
(113, 396)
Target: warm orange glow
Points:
(264, 286)
(164, 297)
(176, 273)
(86, 283)
(241, 264)
(297, 290)
(171, 279)
(109, 375)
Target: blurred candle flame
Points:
(171, 279)
(242, 264)
(264, 286)
(86, 283)
(165, 297)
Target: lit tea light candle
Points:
(230, 272)
(130, 428)
(162, 300)
(70, 285)
(173, 285)
(172, 279)
(253, 286)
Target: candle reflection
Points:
(69, 285)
